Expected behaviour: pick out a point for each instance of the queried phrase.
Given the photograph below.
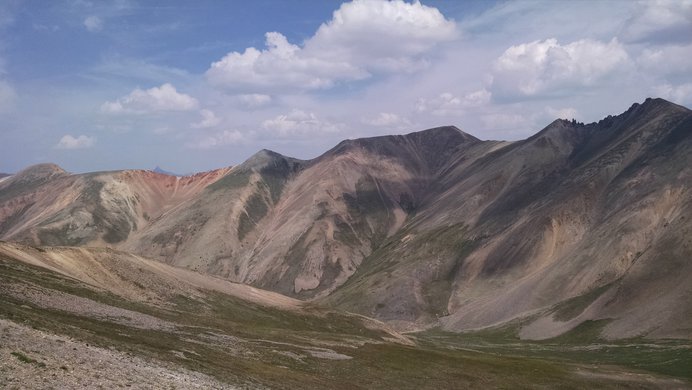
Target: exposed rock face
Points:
(425, 228)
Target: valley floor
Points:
(59, 332)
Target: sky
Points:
(195, 85)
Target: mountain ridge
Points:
(429, 228)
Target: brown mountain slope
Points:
(579, 222)
(302, 227)
(45, 205)
(297, 227)
(134, 278)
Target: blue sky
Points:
(191, 86)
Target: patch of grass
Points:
(58, 236)
(587, 332)
(571, 308)
(582, 345)
(12, 219)
(255, 209)
(245, 344)
(275, 175)
(448, 245)
(232, 181)
(23, 358)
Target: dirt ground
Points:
(61, 363)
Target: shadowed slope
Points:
(532, 224)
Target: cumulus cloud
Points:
(546, 67)
(668, 59)
(449, 104)
(93, 23)
(561, 113)
(660, 21)
(224, 138)
(504, 121)
(362, 38)
(444, 104)
(387, 119)
(80, 142)
(299, 123)
(255, 100)
(281, 65)
(381, 35)
(681, 94)
(209, 119)
(163, 98)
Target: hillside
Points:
(94, 317)
(578, 223)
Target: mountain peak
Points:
(654, 106)
(443, 131)
(162, 171)
(427, 149)
(263, 159)
(40, 171)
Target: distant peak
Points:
(265, 155)
(444, 131)
(161, 171)
(264, 158)
(444, 135)
(40, 172)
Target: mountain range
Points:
(579, 223)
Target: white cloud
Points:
(362, 38)
(681, 94)
(281, 65)
(299, 123)
(224, 138)
(444, 104)
(668, 59)
(70, 142)
(382, 35)
(163, 98)
(93, 23)
(45, 27)
(449, 104)
(254, 100)
(504, 121)
(477, 98)
(136, 69)
(561, 113)
(660, 21)
(547, 67)
(209, 119)
(7, 96)
(387, 119)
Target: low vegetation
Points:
(247, 344)
(25, 359)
